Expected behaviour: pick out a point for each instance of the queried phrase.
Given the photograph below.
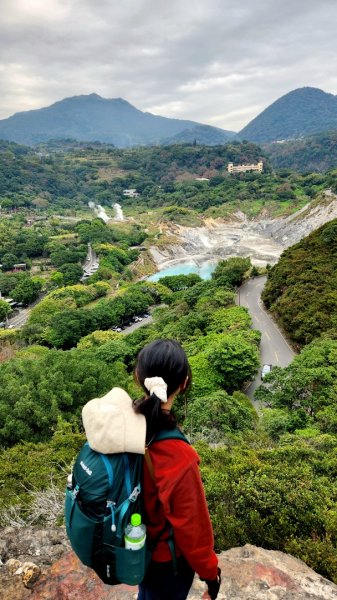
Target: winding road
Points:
(274, 347)
(90, 265)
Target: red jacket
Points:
(177, 496)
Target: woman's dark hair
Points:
(166, 359)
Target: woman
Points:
(177, 518)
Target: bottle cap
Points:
(136, 519)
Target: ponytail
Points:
(162, 363)
(156, 418)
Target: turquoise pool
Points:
(203, 269)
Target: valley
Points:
(261, 239)
(192, 248)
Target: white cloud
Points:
(204, 60)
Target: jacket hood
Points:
(112, 426)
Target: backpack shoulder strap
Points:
(164, 434)
(170, 434)
(108, 469)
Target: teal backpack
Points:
(104, 491)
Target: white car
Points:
(265, 370)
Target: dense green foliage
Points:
(305, 391)
(313, 153)
(40, 385)
(37, 388)
(4, 309)
(42, 246)
(163, 177)
(57, 322)
(242, 190)
(301, 287)
(22, 243)
(57, 252)
(100, 174)
(275, 496)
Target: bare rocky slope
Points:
(38, 565)
(263, 240)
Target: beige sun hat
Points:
(112, 426)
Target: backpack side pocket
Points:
(131, 565)
(80, 529)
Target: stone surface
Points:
(251, 573)
(248, 573)
(31, 544)
(263, 238)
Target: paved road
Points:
(91, 263)
(274, 347)
(131, 328)
(19, 319)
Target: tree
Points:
(236, 317)
(69, 326)
(97, 338)
(233, 359)
(220, 412)
(4, 309)
(72, 273)
(180, 282)
(27, 290)
(307, 385)
(204, 380)
(8, 281)
(36, 391)
(8, 261)
(231, 272)
(56, 279)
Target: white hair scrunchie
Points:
(157, 385)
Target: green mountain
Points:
(92, 118)
(300, 113)
(314, 153)
(301, 287)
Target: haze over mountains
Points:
(92, 118)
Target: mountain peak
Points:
(301, 112)
(89, 117)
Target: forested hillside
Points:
(316, 153)
(301, 287)
(53, 253)
(91, 118)
(301, 112)
(100, 173)
(67, 176)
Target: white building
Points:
(130, 193)
(244, 168)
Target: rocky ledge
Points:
(37, 564)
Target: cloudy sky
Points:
(214, 61)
